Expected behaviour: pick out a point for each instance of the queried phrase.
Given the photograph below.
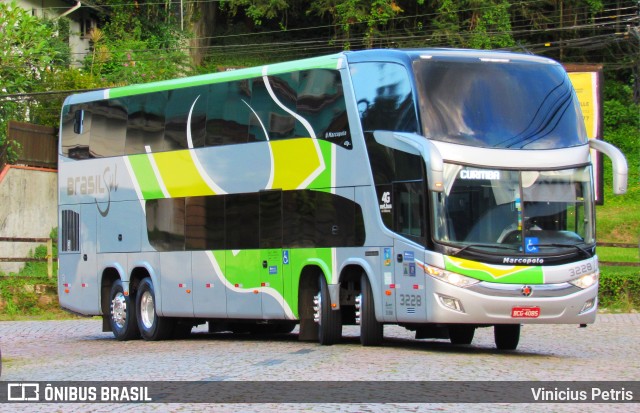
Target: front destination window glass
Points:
(515, 212)
(506, 105)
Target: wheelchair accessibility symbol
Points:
(531, 245)
(285, 257)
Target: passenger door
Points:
(410, 282)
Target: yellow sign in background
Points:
(586, 86)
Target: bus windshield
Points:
(505, 105)
(525, 212)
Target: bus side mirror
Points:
(618, 161)
(417, 145)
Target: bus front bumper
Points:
(493, 303)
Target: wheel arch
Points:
(140, 271)
(109, 276)
(352, 270)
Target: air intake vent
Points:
(70, 236)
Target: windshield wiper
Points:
(579, 248)
(499, 247)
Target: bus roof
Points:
(326, 62)
(334, 61)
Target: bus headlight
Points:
(585, 281)
(450, 277)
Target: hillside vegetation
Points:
(144, 41)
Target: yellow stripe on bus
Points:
(294, 161)
(180, 175)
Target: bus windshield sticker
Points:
(387, 257)
(531, 245)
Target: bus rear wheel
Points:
(122, 313)
(329, 321)
(371, 330)
(506, 336)
(152, 326)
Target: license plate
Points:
(525, 312)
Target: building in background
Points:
(82, 15)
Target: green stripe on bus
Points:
(323, 62)
(324, 179)
(145, 176)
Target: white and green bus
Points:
(439, 190)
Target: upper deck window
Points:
(384, 94)
(499, 104)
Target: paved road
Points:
(78, 350)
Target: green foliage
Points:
(258, 10)
(447, 24)
(622, 129)
(21, 294)
(17, 299)
(490, 26)
(618, 254)
(619, 288)
(366, 20)
(131, 50)
(29, 48)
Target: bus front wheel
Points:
(122, 313)
(371, 330)
(152, 326)
(329, 321)
(506, 336)
(461, 334)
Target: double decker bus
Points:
(439, 190)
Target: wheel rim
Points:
(147, 309)
(119, 310)
(317, 308)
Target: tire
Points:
(461, 334)
(122, 314)
(371, 330)
(152, 327)
(329, 321)
(506, 336)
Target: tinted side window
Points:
(228, 113)
(184, 105)
(268, 115)
(271, 219)
(389, 165)
(400, 182)
(166, 224)
(384, 95)
(242, 221)
(145, 122)
(299, 209)
(321, 219)
(321, 101)
(204, 221)
(108, 128)
(410, 210)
